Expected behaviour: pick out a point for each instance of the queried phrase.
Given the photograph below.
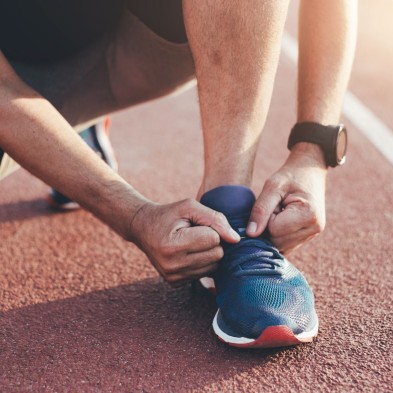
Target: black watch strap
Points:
(312, 133)
(324, 136)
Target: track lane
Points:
(82, 310)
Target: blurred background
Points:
(82, 310)
(372, 76)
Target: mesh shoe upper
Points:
(256, 286)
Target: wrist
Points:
(137, 223)
(332, 140)
(309, 154)
(117, 204)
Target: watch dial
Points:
(341, 146)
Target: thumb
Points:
(202, 215)
(263, 209)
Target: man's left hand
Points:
(292, 203)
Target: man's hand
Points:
(182, 240)
(292, 203)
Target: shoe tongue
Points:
(235, 202)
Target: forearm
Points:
(38, 138)
(327, 39)
(236, 46)
(292, 203)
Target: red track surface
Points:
(83, 311)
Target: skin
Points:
(292, 202)
(182, 240)
(234, 94)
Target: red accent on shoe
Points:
(107, 123)
(271, 337)
(213, 291)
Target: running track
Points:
(83, 311)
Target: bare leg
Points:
(235, 45)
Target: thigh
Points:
(47, 31)
(139, 55)
(130, 65)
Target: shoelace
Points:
(253, 255)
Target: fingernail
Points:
(235, 234)
(252, 227)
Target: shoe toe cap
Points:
(246, 310)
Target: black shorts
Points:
(46, 31)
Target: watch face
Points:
(341, 146)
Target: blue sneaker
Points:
(263, 301)
(97, 139)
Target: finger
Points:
(202, 215)
(205, 263)
(295, 244)
(196, 239)
(266, 204)
(288, 243)
(199, 260)
(178, 281)
(295, 216)
(186, 263)
(205, 258)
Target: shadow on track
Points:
(140, 337)
(25, 210)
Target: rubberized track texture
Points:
(84, 311)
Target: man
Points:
(67, 63)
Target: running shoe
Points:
(97, 137)
(263, 300)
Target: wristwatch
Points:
(332, 139)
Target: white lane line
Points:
(375, 130)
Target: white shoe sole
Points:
(271, 337)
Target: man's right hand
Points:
(182, 239)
